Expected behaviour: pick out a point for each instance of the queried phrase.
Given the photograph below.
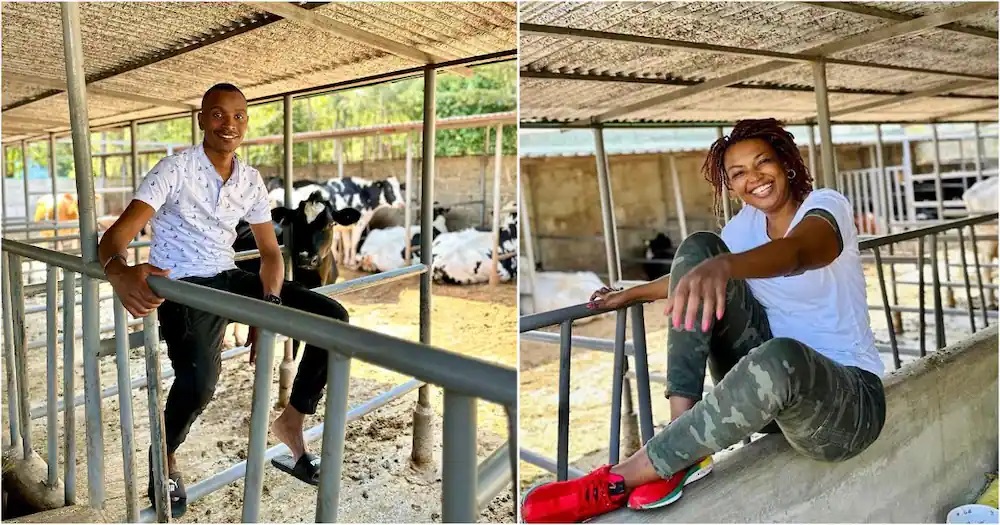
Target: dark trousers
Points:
(194, 345)
(826, 411)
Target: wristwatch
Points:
(271, 298)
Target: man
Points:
(195, 199)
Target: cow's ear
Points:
(402, 186)
(346, 216)
(281, 215)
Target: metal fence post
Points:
(614, 442)
(51, 331)
(69, 361)
(338, 376)
(286, 370)
(157, 437)
(259, 416)
(562, 443)
(422, 456)
(125, 409)
(459, 476)
(20, 366)
(77, 94)
(825, 131)
(642, 373)
(10, 372)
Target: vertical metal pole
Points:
(979, 274)
(157, 437)
(877, 190)
(259, 416)
(965, 279)
(125, 409)
(678, 198)
(459, 476)
(422, 442)
(825, 131)
(607, 209)
(885, 195)
(939, 195)
(19, 336)
(286, 370)
(938, 309)
(3, 183)
(482, 175)
(338, 377)
(614, 442)
(979, 153)
(408, 202)
(527, 240)
(864, 192)
(497, 171)
(852, 193)
(69, 369)
(727, 211)
(28, 218)
(911, 209)
(885, 303)
(51, 335)
(55, 191)
(194, 127)
(134, 157)
(642, 373)
(812, 151)
(921, 294)
(13, 407)
(562, 439)
(77, 93)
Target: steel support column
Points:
(497, 172)
(423, 446)
(286, 370)
(607, 208)
(76, 91)
(825, 132)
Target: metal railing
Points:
(463, 379)
(622, 349)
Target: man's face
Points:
(224, 119)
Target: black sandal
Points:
(305, 469)
(178, 495)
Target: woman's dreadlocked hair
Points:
(781, 140)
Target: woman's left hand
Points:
(704, 285)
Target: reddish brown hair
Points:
(781, 140)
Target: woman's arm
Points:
(814, 243)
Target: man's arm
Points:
(272, 264)
(129, 282)
(115, 241)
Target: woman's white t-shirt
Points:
(827, 308)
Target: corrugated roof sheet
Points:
(770, 26)
(260, 52)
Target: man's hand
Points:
(608, 297)
(704, 285)
(129, 282)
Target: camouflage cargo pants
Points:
(826, 411)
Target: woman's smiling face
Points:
(756, 174)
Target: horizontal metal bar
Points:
(368, 281)
(79, 333)
(948, 284)
(492, 476)
(545, 463)
(894, 238)
(207, 486)
(41, 307)
(461, 374)
(908, 259)
(921, 177)
(579, 341)
(955, 312)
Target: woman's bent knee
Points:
(697, 247)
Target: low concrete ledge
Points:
(70, 514)
(939, 441)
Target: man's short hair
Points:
(223, 86)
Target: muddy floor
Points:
(378, 485)
(591, 371)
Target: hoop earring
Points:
(792, 176)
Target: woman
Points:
(777, 305)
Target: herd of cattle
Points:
(330, 223)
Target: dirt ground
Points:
(591, 371)
(377, 483)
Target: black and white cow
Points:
(360, 194)
(659, 247)
(466, 256)
(384, 249)
(311, 228)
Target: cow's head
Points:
(390, 192)
(311, 226)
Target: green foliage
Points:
(492, 89)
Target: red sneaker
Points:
(575, 500)
(666, 491)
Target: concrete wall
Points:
(565, 210)
(939, 440)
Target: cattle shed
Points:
(893, 104)
(72, 69)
